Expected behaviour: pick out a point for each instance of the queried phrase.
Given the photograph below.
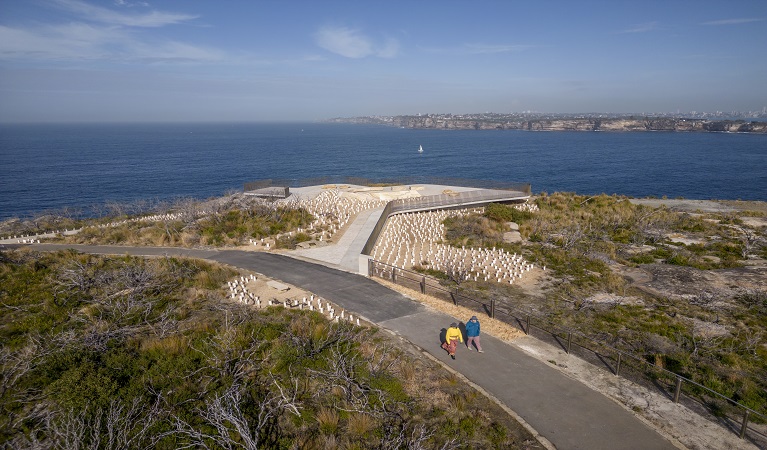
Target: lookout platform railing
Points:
(453, 200)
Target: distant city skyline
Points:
(180, 60)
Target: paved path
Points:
(345, 254)
(564, 411)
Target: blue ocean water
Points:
(48, 167)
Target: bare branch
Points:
(235, 428)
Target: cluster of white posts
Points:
(415, 239)
(238, 290)
(332, 210)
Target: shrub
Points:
(474, 231)
(506, 213)
(328, 420)
(678, 260)
(643, 258)
(438, 274)
(85, 385)
(291, 242)
(468, 425)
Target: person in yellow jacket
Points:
(452, 337)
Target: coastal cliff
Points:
(451, 122)
(575, 124)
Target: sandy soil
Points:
(714, 206)
(264, 288)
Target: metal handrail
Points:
(570, 332)
(456, 200)
(371, 242)
(360, 181)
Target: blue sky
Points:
(195, 60)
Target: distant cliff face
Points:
(563, 125)
(457, 124)
(576, 124)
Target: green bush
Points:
(622, 235)
(291, 242)
(643, 258)
(472, 231)
(678, 260)
(86, 385)
(506, 213)
(438, 274)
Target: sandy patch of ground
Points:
(260, 288)
(535, 282)
(687, 205)
(280, 294)
(710, 206)
(495, 328)
(708, 329)
(615, 299)
(687, 282)
(745, 205)
(756, 222)
(683, 239)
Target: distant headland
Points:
(561, 122)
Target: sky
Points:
(283, 60)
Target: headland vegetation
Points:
(679, 283)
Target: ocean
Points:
(51, 167)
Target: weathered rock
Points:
(512, 236)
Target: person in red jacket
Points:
(452, 337)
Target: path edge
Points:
(539, 437)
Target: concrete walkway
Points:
(345, 253)
(564, 411)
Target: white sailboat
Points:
(420, 149)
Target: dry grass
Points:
(328, 420)
(359, 425)
(440, 398)
(171, 345)
(493, 327)
(330, 442)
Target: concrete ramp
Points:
(345, 253)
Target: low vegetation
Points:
(229, 221)
(714, 332)
(703, 316)
(123, 352)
